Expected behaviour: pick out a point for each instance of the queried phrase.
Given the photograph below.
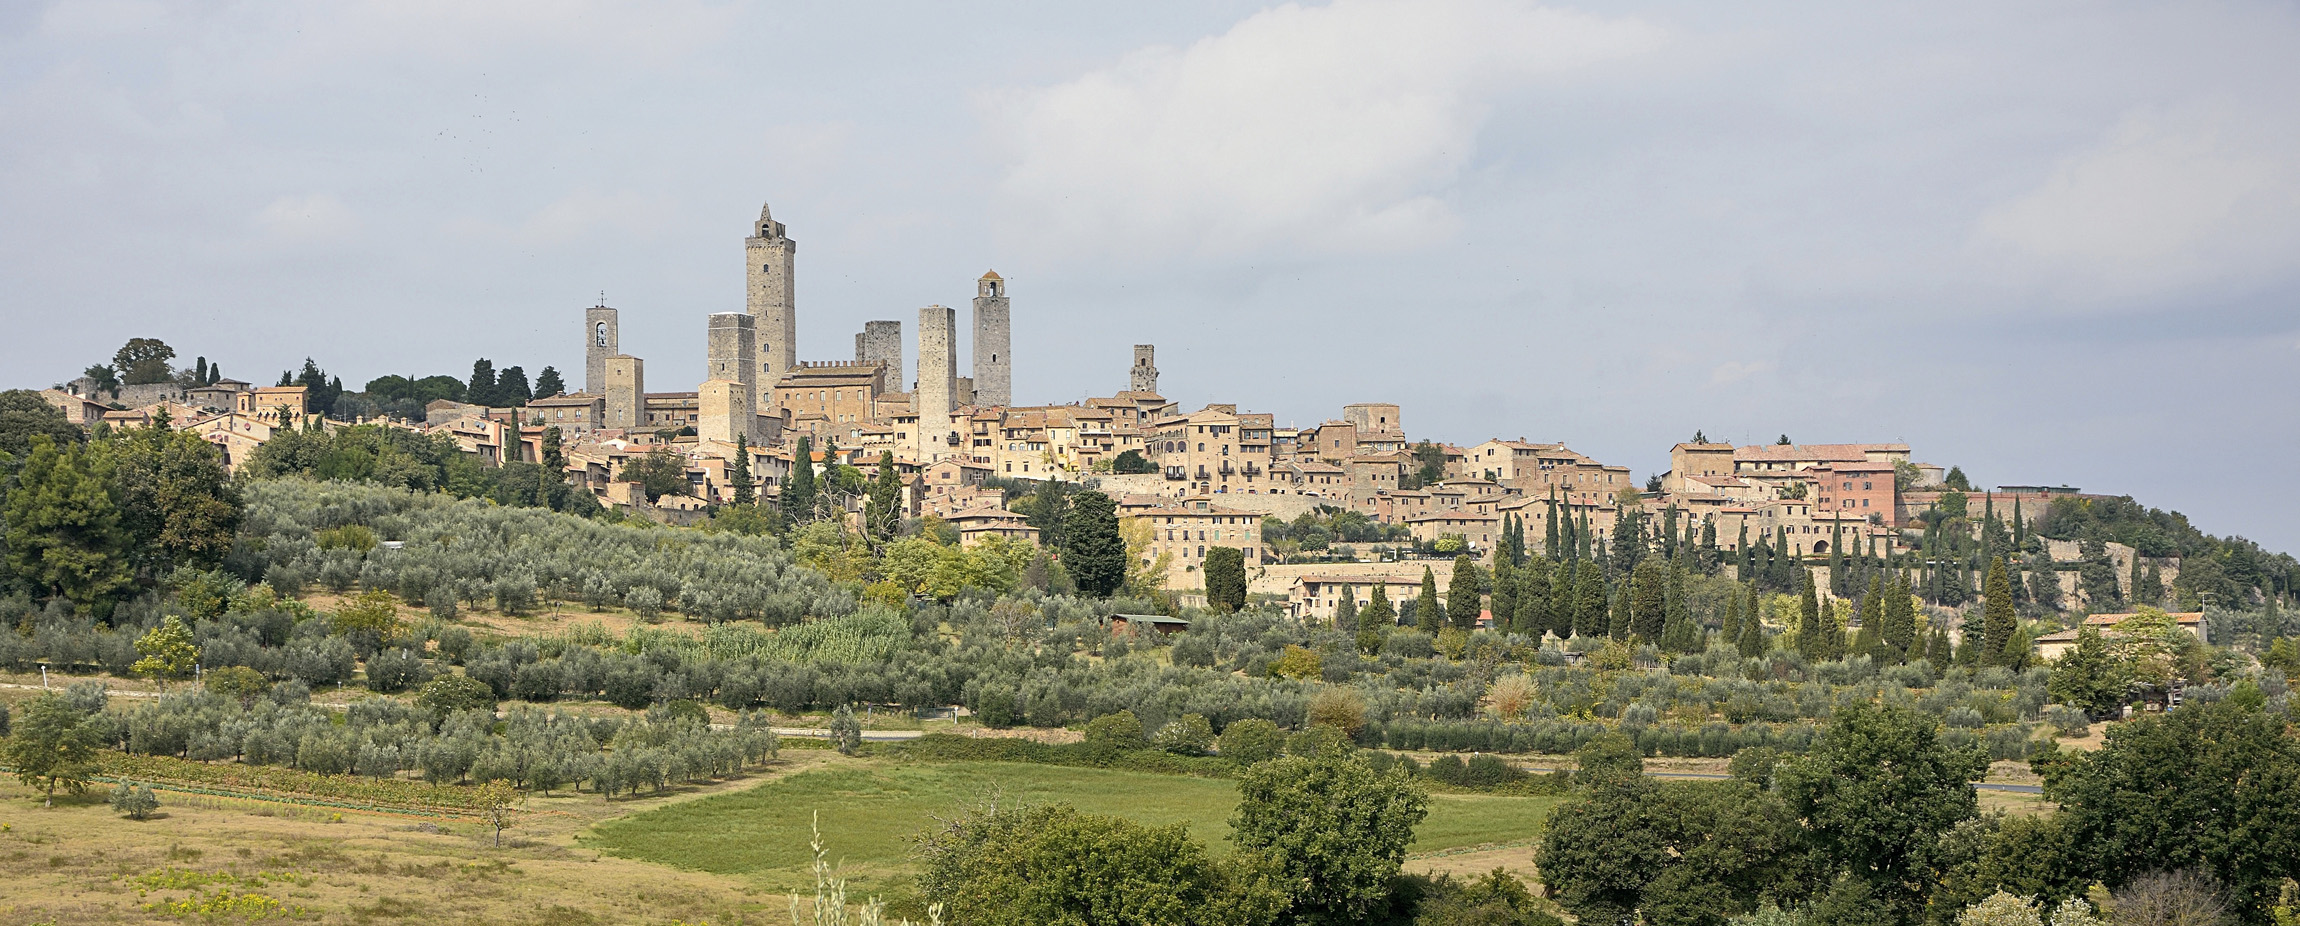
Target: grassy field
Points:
(870, 811)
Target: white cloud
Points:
(303, 221)
(2201, 195)
(1734, 371)
(1337, 127)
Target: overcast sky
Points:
(2049, 242)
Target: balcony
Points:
(1226, 469)
(1202, 476)
(1175, 472)
(1252, 470)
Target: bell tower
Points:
(770, 298)
(600, 341)
(993, 342)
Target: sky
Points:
(2049, 242)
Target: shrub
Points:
(135, 800)
(1115, 732)
(1187, 735)
(1340, 708)
(450, 694)
(1252, 740)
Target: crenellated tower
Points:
(771, 297)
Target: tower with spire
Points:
(771, 297)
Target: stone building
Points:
(772, 298)
(625, 393)
(601, 340)
(731, 355)
(1144, 376)
(881, 342)
(937, 361)
(993, 342)
(574, 415)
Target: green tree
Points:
(555, 455)
(166, 651)
(452, 694)
(548, 383)
(1428, 617)
(1877, 793)
(240, 683)
(1251, 740)
(2210, 785)
(882, 512)
(1132, 463)
(498, 803)
(1647, 605)
(2089, 677)
(135, 801)
(63, 528)
(50, 746)
(659, 472)
(1998, 623)
(1026, 866)
(1225, 572)
(745, 489)
(481, 389)
(1379, 614)
(177, 505)
(1808, 616)
(1093, 551)
(1333, 829)
(799, 488)
(1346, 612)
(142, 361)
(1589, 618)
(1637, 850)
(1463, 600)
(1503, 604)
(511, 387)
(1608, 758)
(24, 415)
(1116, 732)
(1751, 643)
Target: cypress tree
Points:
(1533, 608)
(1648, 605)
(2020, 527)
(883, 510)
(1808, 616)
(1346, 613)
(1747, 561)
(1618, 622)
(738, 475)
(1549, 542)
(1379, 614)
(1427, 615)
(1093, 551)
(1998, 623)
(1505, 595)
(1464, 600)
(798, 495)
(1752, 641)
(1873, 615)
(1731, 632)
(1589, 616)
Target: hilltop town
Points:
(1218, 476)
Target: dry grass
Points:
(79, 863)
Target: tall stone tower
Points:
(601, 340)
(937, 358)
(881, 342)
(993, 342)
(626, 393)
(1145, 377)
(771, 298)
(731, 355)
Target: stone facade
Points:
(993, 343)
(772, 297)
(1144, 376)
(601, 339)
(625, 393)
(723, 411)
(732, 356)
(937, 359)
(1370, 417)
(881, 342)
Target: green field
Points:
(870, 811)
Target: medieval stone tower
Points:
(937, 359)
(771, 298)
(993, 342)
(601, 340)
(881, 342)
(1145, 377)
(626, 393)
(731, 356)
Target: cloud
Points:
(575, 217)
(1339, 127)
(304, 221)
(2200, 195)
(1733, 371)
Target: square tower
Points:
(993, 337)
(881, 342)
(626, 393)
(771, 298)
(937, 359)
(601, 340)
(1145, 373)
(731, 352)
